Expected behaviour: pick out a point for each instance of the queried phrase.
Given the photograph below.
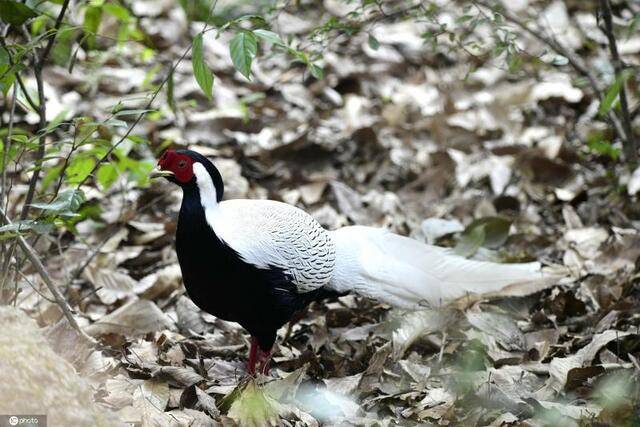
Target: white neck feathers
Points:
(208, 195)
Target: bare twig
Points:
(34, 287)
(44, 274)
(7, 252)
(42, 110)
(629, 143)
(52, 38)
(573, 60)
(7, 145)
(23, 88)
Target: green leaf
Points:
(201, 71)
(490, 232)
(470, 242)
(243, 48)
(38, 24)
(79, 169)
(15, 13)
(107, 175)
(463, 19)
(62, 49)
(8, 77)
(51, 175)
(316, 71)
(269, 36)
(171, 99)
(67, 201)
(635, 23)
(598, 145)
(612, 93)
(133, 112)
(116, 123)
(373, 42)
(117, 11)
(17, 227)
(92, 18)
(496, 230)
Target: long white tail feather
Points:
(409, 274)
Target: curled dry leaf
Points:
(190, 317)
(560, 368)
(133, 319)
(150, 400)
(414, 325)
(501, 327)
(111, 285)
(177, 376)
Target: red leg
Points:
(253, 353)
(265, 361)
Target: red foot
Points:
(258, 357)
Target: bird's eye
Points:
(182, 164)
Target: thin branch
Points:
(42, 271)
(34, 287)
(7, 146)
(42, 111)
(30, 100)
(629, 144)
(52, 38)
(574, 61)
(7, 254)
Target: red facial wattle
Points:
(180, 164)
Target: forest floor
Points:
(444, 147)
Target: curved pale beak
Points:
(160, 173)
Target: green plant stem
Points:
(629, 143)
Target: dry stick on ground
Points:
(42, 271)
(574, 61)
(38, 66)
(630, 146)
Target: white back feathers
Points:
(267, 233)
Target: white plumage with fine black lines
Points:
(271, 233)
